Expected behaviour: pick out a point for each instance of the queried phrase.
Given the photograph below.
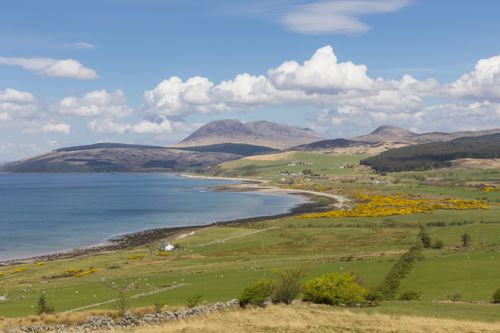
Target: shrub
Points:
(496, 296)
(123, 300)
(335, 289)
(288, 285)
(438, 244)
(466, 238)
(258, 293)
(158, 307)
(410, 295)
(456, 297)
(401, 268)
(43, 307)
(424, 237)
(194, 301)
(374, 296)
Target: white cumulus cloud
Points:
(15, 104)
(62, 68)
(337, 16)
(321, 73)
(96, 103)
(50, 127)
(109, 126)
(483, 83)
(321, 80)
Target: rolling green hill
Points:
(436, 154)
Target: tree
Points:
(43, 307)
(424, 237)
(466, 238)
(288, 285)
(123, 300)
(496, 296)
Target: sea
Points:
(48, 213)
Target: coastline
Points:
(260, 185)
(128, 240)
(190, 175)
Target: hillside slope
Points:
(435, 155)
(232, 148)
(118, 159)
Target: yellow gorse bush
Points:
(381, 205)
(78, 272)
(136, 257)
(15, 271)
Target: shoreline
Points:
(148, 236)
(195, 176)
(251, 185)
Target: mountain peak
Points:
(262, 133)
(388, 129)
(387, 133)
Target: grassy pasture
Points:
(317, 163)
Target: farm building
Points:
(166, 246)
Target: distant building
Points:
(166, 246)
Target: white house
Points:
(166, 246)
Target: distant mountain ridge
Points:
(108, 145)
(118, 158)
(395, 134)
(260, 133)
(226, 140)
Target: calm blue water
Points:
(46, 213)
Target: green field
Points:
(295, 162)
(219, 262)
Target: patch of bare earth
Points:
(371, 149)
(471, 163)
(270, 157)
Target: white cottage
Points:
(166, 246)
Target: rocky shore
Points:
(314, 203)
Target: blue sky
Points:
(86, 71)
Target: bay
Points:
(47, 213)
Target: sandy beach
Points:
(260, 185)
